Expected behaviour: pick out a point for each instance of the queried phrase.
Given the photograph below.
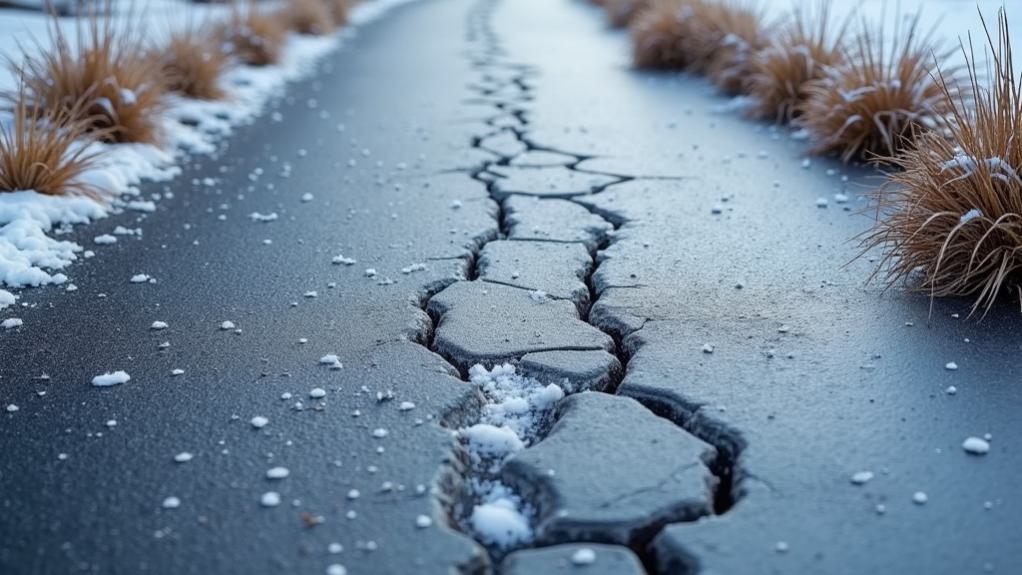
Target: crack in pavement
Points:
(504, 91)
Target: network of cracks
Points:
(529, 299)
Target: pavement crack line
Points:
(472, 479)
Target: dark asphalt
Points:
(745, 330)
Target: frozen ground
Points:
(278, 375)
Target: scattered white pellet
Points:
(11, 323)
(353, 494)
(307, 197)
(335, 548)
(406, 406)
(370, 272)
(707, 348)
(317, 393)
(919, 498)
(951, 366)
(311, 294)
(177, 372)
(423, 521)
(257, 217)
(108, 379)
(976, 446)
(11, 408)
(183, 457)
(380, 433)
(862, 477)
(277, 473)
(227, 325)
(331, 360)
(340, 259)
(456, 204)
(171, 503)
(259, 422)
(584, 556)
(270, 499)
(157, 325)
(336, 569)
(822, 202)
(951, 390)
(781, 547)
(538, 296)
(139, 278)
(105, 239)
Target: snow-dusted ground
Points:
(31, 251)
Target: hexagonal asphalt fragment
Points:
(504, 143)
(480, 322)
(553, 182)
(611, 471)
(542, 159)
(555, 268)
(553, 220)
(594, 559)
(574, 371)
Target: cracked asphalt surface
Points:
(727, 372)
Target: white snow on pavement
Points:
(111, 378)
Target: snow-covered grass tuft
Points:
(45, 150)
(104, 77)
(804, 48)
(253, 36)
(193, 63)
(881, 96)
(310, 17)
(732, 31)
(954, 210)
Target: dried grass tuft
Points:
(954, 211)
(881, 97)
(310, 17)
(732, 33)
(663, 35)
(252, 36)
(107, 78)
(340, 11)
(805, 47)
(47, 151)
(193, 62)
(621, 12)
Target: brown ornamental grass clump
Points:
(340, 10)
(731, 32)
(310, 17)
(953, 213)
(193, 61)
(663, 35)
(106, 78)
(253, 37)
(805, 47)
(621, 12)
(880, 97)
(46, 150)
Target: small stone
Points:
(584, 556)
(862, 477)
(277, 473)
(976, 446)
